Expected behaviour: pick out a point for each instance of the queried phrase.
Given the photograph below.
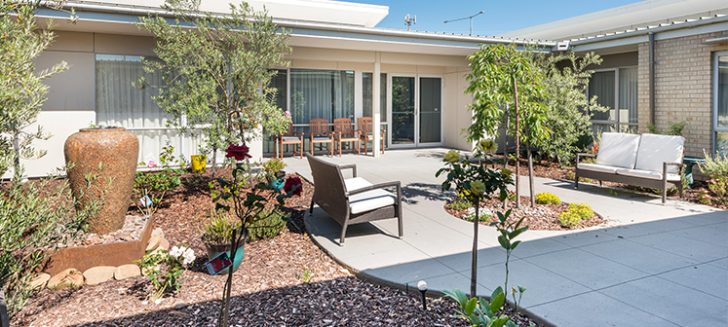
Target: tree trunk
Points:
(17, 169)
(505, 138)
(518, 143)
(214, 162)
(530, 177)
(474, 265)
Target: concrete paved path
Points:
(651, 265)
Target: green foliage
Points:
(268, 225)
(307, 275)
(481, 312)
(22, 92)
(575, 214)
(714, 166)
(273, 166)
(459, 204)
(154, 185)
(568, 107)
(547, 198)
(34, 218)
(164, 272)
(218, 74)
(509, 231)
(219, 230)
(471, 181)
(674, 129)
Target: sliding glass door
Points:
(416, 111)
(720, 103)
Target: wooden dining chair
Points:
(290, 138)
(320, 133)
(364, 126)
(345, 133)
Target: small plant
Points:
(269, 225)
(151, 188)
(480, 312)
(273, 166)
(676, 128)
(508, 232)
(575, 214)
(547, 198)
(164, 269)
(220, 229)
(471, 216)
(307, 275)
(459, 204)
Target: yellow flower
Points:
(477, 188)
(452, 157)
(487, 146)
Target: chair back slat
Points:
(364, 125)
(319, 127)
(344, 126)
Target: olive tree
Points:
(22, 92)
(216, 71)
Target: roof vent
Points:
(563, 45)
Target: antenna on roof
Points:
(409, 21)
(470, 18)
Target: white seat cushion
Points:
(370, 200)
(355, 183)
(647, 174)
(290, 138)
(655, 149)
(321, 138)
(597, 167)
(618, 150)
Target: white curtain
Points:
(119, 103)
(324, 94)
(628, 95)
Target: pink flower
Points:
(294, 185)
(288, 114)
(239, 152)
(151, 164)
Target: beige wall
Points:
(71, 98)
(683, 88)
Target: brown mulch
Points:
(269, 289)
(540, 217)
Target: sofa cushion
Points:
(654, 150)
(647, 174)
(598, 168)
(618, 150)
(355, 183)
(370, 200)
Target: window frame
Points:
(715, 129)
(617, 123)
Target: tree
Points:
(501, 76)
(216, 76)
(22, 92)
(569, 108)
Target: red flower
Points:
(293, 185)
(239, 152)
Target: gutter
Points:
(145, 11)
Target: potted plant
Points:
(199, 161)
(217, 235)
(274, 173)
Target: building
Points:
(338, 57)
(665, 62)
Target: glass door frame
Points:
(417, 142)
(715, 129)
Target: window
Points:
(324, 94)
(119, 103)
(367, 96)
(615, 89)
(280, 82)
(720, 110)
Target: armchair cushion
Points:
(598, 168)
(290, 138)
(356, 183)
(655, 150)
(370, 200)
(618, 150)
(647, 174)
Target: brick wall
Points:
(683, 88)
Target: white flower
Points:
(188, 257)
(176, 251)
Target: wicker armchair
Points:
(353, 200)
(344, 132)
(320, 133)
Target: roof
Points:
(640, 15)
(122, 17)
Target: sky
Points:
(500, 15)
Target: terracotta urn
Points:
(107, 157)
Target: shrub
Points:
(220, 229)
(151, 188)
(34, 217)
(268, 225)
(459, 204)
(584, 211)
(569, 219)
(547, 198)
(273, 166)
(164, 269)
(717, 169)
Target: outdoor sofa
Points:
(355, 200)
(647, 160)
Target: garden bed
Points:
(285, 280)
(540, 217)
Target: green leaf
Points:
(470, 306)
(496, 303)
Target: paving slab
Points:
(636, 270)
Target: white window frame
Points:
(714, 112)
(617, 123)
